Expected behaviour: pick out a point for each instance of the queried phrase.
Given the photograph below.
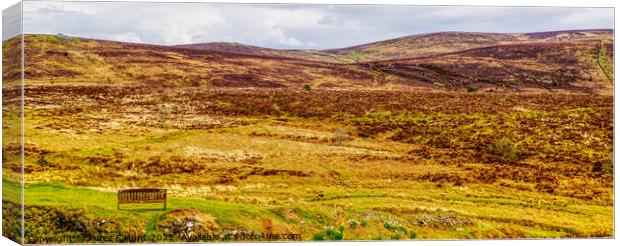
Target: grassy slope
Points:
(552, 65)
(379, 178)
(52, 60)
(83, 61)
(444, 42)
(409, 46)
(422, 45)
(314, 55)
(264, 160)
(512, 218)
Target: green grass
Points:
(551, 221)
(304, 182)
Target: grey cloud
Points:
(11, 18)
(330, 20)
(292, 25)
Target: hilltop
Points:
(578, 60)
(441, 42)
(411, 46)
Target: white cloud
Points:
(291, 26)
(11, 21)
(276, 34)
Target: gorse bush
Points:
(330, 233)
(319, 237)
(353, 223)
(397, 229)
(393, 225)
(505, 149)
(334, 232)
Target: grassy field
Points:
(325, 164)
(449, 135)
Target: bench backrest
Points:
(142, 195)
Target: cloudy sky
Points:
(291, 26)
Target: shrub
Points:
(318, 237)
(505, 149)
(393, 225)
(330, 233)
(472, 88)
(42, 161)
(307, 87)
(353, 223)
(413, 235)
(603, 167)
(334, 232)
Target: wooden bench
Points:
(141, 195)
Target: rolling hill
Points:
(566, 65)
(49, 60)
(237, 48)
(441, 42)
(580, 60)
(422, 45)
(411, 46)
